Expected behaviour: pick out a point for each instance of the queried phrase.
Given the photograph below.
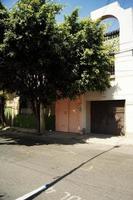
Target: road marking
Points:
(26, 196)
(68, 196)
(74, 198)
(50, 190)
(44, 187)
(87, 169)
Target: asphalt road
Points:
(74, 171)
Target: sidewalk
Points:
(68, 138)
(112, 140)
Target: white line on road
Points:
(26, 196)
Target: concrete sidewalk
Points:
(68, 138)
(112, 140)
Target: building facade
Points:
(111, 111)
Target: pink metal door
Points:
(74, 120)
(68, 115)
(62, 115)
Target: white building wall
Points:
(122, 84)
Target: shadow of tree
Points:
(19, 138)
(32, 195)
(2, 196)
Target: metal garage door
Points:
(107, 117)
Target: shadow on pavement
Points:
(10, 137)
(3, 196)
(67, 174)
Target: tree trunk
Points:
(38, 124)
(40, 112)
(36, 110)
(2, 108)
(42, 119)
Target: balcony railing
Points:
(112, 70)
(111, 35)
(112, 38)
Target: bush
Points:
(50, 122)
(25, 121)
(29, 121)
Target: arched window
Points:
(112, 31)
(111, 35)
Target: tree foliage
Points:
(85, 54)
(44, 61)
(3, 18)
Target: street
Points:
(75, 171)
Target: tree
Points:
(3, 20)
(47, 61)
(86, 56)
(31, 52)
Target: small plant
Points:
(50, 122)
(25, 121)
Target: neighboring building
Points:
(109, 112)
(11, 108)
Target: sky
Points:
(85, 6)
